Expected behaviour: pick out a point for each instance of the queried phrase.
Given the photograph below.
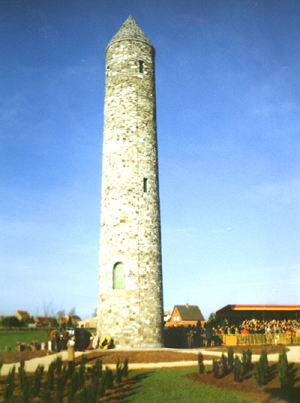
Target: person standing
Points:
(191, 339)
(52, 335)
(57, 340)
(71, 353)
(209, 335)
(81, 338)
(77, 334)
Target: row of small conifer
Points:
(83, 384)
(242, 367)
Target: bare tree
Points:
(49, 309)
(60, 314)
(37, 312)
(72, 311)
(212, 317)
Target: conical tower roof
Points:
(130, 31)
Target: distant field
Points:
(11, 337)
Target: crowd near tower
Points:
(130, 303)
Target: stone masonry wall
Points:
(130, 214)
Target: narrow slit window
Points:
(145, 185)
(141, 66)
(119, 276)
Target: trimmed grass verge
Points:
(10, 337)
(172, 386)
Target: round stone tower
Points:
(130, 304)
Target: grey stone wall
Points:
(130, 214)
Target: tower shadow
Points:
(289, 393)
(133, 384)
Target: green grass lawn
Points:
(9, 338)
(171, 386)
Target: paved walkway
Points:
(30, 366)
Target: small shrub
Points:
(46, 395)
(224, 361)
(97, 369)
(41, 369)
(283, 371)
(237, 369)
(58, 365)
(65, 372)
(37, 380)
(125, 368)
(22, 365)
(261, 368)
(94, 390)
(247, 361)
(21, 370)
(259, 374)
(73, 387)
(6, 394)
(216, 369)
(200, 364)
(60, 387)
(244, 362)
(109, 379)
(10, 386)
(230, 357)
(85, 395)
(75, 381)
(50, 376)
(82, 372)
(119, 370)
(264, 359)
(83, 360)
(71, 368)
(102, 387)
(25, 389)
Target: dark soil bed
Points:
(271, 392)
(256, 350)
(111, 357)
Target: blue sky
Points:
(228, 103)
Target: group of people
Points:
(83, 339)
(33, 346)
(256, 326)
(214, 331)
(78, 340)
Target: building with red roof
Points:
(262, 312)
(185, 315)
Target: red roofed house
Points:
(21, 315)
(44, 320)
(65, 319)
(262, 312)
(185, 315)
